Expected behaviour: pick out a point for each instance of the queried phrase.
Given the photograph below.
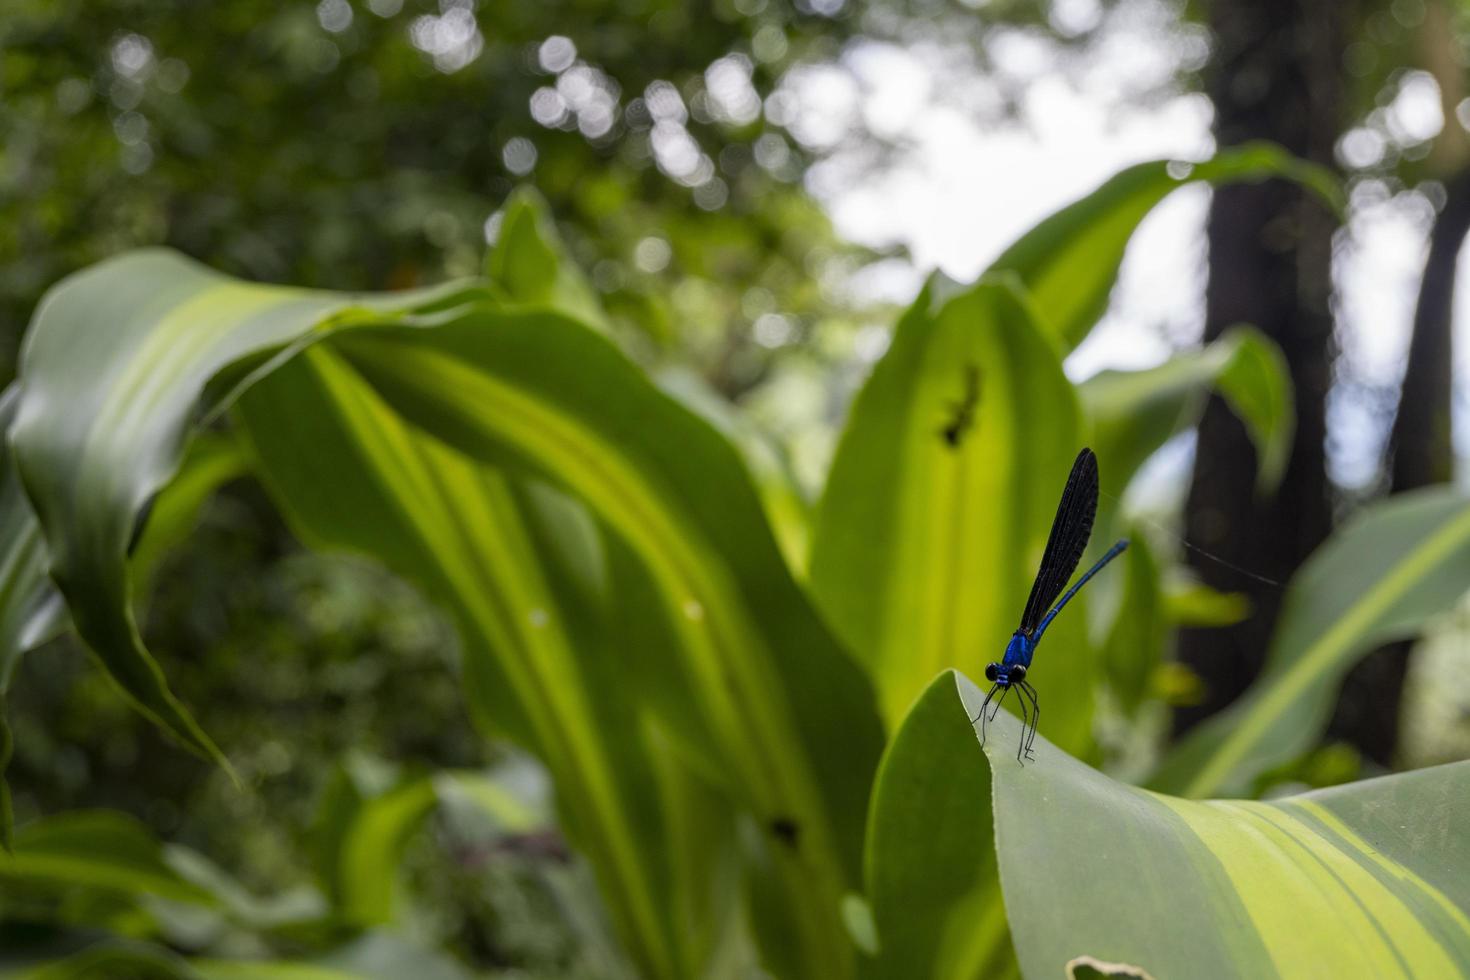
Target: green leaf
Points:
(529, 265)
(1380, 578)
(113, 366)
(548, 628)
(943, 489)
(31, 610)
(494, 806)
(371, 850)
(211, 461)
(1133, 413)
(1070, 260)
(364, 830)
(773, 710)
(789, 714)
(787, 507)
(114, 958)
(97, 849)
(1135, 644)
(1360, 880)
(1192, 603)
(932, 879)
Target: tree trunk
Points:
(1420, 447)
(1420, 454)
(1275, 76)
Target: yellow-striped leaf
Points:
(1361, 880)
(1379, 578)
(552, 633)
(758, 694)
(787, 713)
(112, 369)
(940, 498)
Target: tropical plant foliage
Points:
(752, 754)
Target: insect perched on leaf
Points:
(1069, 533)
(963, 411)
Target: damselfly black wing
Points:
(1069, 533)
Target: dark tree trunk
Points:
(1421, 454)
(1275, 76)
(1420, 447)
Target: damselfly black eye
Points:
(990, 672)
(1018, 673)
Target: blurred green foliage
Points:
(370, 145)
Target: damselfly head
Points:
(1003, 675)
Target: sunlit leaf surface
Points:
(1362, 880)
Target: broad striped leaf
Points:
(777, 712)
(787, 712)
(940, 498)
(112, 369)
(543, 637)
(1379, 578)
(31, 610)
(1360, 880)
(770, 465)
(1070, 260)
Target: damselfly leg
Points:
(996, 710)
(1025, 721)
(981, 716)
(1027, 738)
(987, 719)
(1029, 719)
